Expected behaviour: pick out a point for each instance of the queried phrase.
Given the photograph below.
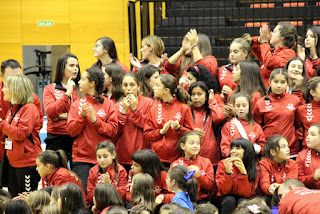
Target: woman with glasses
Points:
(106, 53)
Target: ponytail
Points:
(268, 92)
(185, 180)
(96, 75)
(56, 158)
(311, 85)
(170, 82)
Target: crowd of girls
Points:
(174, 129)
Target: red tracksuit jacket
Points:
(56, 102)
(160, 187)
(130, 129)
(270, 58)
(307, 115)
(210, 62)
(300, 200)
(209, 145)
(94, 179)
(235, 183)
(88, 134)
(225, 76)
(308, 161)
(230, 132)
(272, 172)
(166, 145)
(206, 178)
(277, 116)
(24, 133)
(311, 67)
(5, 106)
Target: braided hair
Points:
(96, 75)
(272, 75)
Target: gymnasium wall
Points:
(77, 23)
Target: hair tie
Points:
(196, 67)
(58, 153)
(189, 175)
(254, 208)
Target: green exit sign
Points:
(45, 23)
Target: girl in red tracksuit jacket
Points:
(276, 112)
(195, 50)
(107, 171)
(132, 112)
(91, 120)
(240, 50)
(168, 119)
(253, 131)
(146, 161)
(309, 113)
(276, 167)
(189, 146)
(310, 54)
(52, 167)
(308, 160)
(57, 100)
(20, 132)
(237, 176)
(283, 39)
(113, 74)
(207, 115)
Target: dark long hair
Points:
(144, 73)
(61, 65)
(106, 195)
(250, 79)
(96, 75)
(116, 73)
(304, 73)
(316, 33)
(249, 156)
(72, 198)
(190, 186)
(108, 44)
(170, 82)
(203, 86)
(149, 161)
(201, 73)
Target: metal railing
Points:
(221, 20)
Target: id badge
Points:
(8, 144)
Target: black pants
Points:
(55, 142)
(82, 170)
(22, 179)
(229, 203)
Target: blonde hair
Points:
(156, 43)
(20, 89)
(51, 209)
(37, 200)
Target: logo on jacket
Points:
(57, 94)
(120, 107)
(157, 189)
(232, 128)
(224, 74)
(268, 105)
(252, 135)
(159, 118)
(290, 107)
(308, 158)
(81, 103)
(309, 112)
(180, 162)
(178, 116)
(101, 113)
(16, 118)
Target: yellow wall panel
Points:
(11, 51)
(84, 53)
(34, 10)
(10, 21)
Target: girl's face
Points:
(136, 168)
(105, 158)
(146, 51)
(198, 97)
(159, 89)
(278, 84)
(311, 40)
(313, 138)
(43, 169)
(169, 183)
(191, 78)
(236, 74)
(107, 78)
(191, 147)
(84, 85)
(71, 68)
(295, 68)
(98, 49)
(237, 152)
(241, 107)
(152, 80)
(283, 153)
(236, 53)
(6, 93)
(130, 86)
(276, 38)
(316, 93)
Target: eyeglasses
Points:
(97, 45)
